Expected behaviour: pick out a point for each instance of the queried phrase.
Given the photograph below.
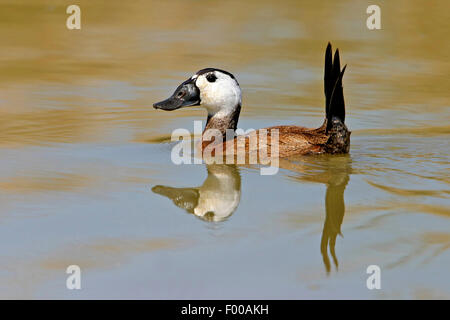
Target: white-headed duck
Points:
(219, 92)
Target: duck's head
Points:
(216, 90)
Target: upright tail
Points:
(339, 136)
(334, 94)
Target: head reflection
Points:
(215, 200)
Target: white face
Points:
(220, 94)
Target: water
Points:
(86, 176)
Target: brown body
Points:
(292, 140)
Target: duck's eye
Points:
(211, 77)
(180, 94)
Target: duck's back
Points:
(285, 140)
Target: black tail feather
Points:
(334, 94)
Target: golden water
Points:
(84, 158)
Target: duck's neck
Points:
(223, 121)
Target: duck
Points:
(219, 92)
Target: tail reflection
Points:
(334, 172)
(334, 210)
(215, 200)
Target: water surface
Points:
(86, 176)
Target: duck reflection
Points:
(215, 200)
(220, 194)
